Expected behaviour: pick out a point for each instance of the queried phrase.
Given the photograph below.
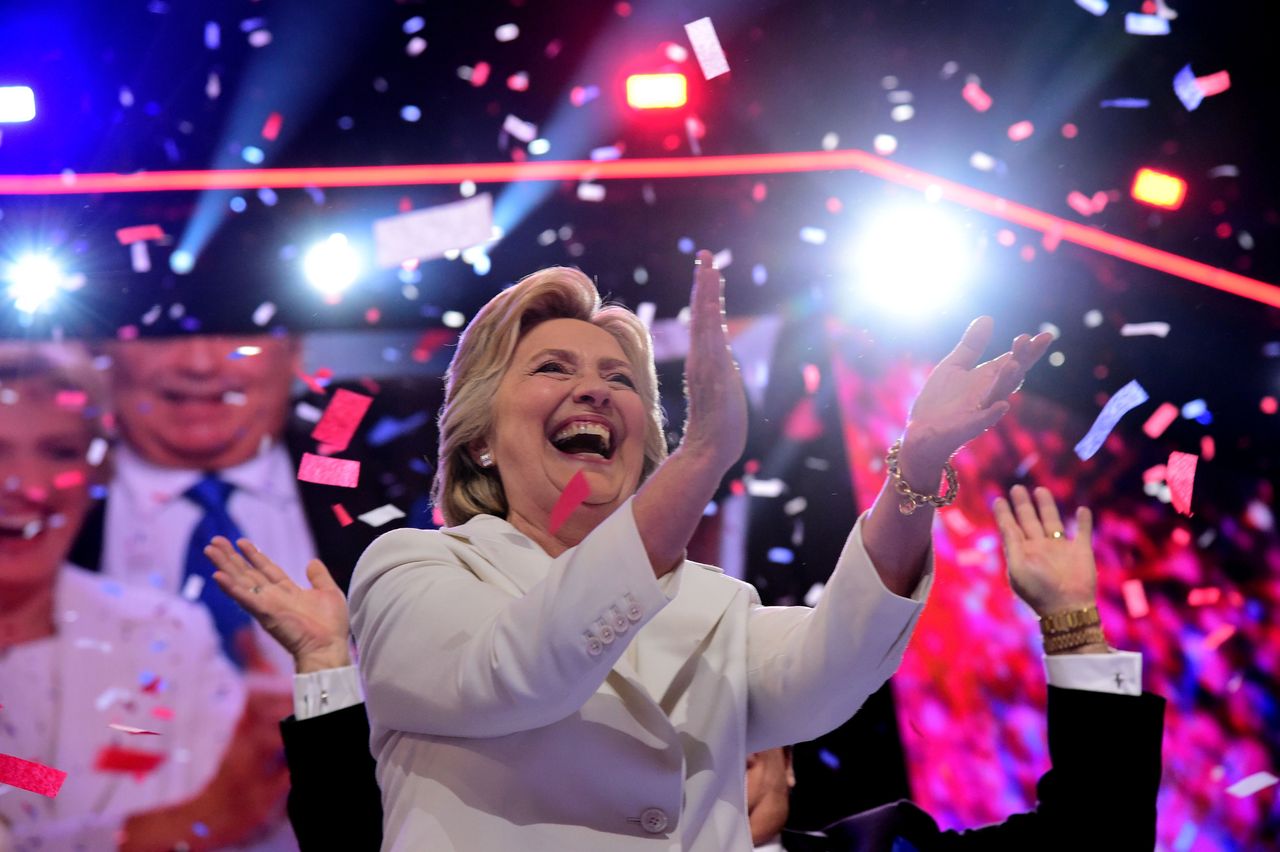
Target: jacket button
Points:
(620, 622)
(654, 820)
(594, 646)
(634, 612)
(606, 633)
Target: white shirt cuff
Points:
(325, 691)
(1119, 672)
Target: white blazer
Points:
(505, 715)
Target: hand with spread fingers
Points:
(962, 399)
(312, 624)
(717, 421)
(1051, 571)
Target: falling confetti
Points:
(341, 419)
(1128, 397)
(573, 496)
(344, 473)
(29, 775)
(1180, 473)
(706, 48)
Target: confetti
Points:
(1135, 598)
(1187, 88)
(344, 473)
(706, 48)
(29, 775)
(975, 97)
(271, 127)
(381, 515)
(263, 313)
(765, 487)
(1147, 25)
(1125, 103)
(1160, 419)
(1139, 329)
(1204, 597)
(813, 236)
(129, 729)
(68, 479)
(341, 419)
(507, 32)
(1080, 203)
(590, 191)
(573, 496)
(138, 233)
(1214, 84)
(115, 758)
(343, 516)
(781, 555)
(1180, 473)
(1251, 784)
(1128, 397)
(1021, 130)
(525, 131)
(1093, 7)
(193, 587)
(429, 233)
(389, 428)
(1218, 635)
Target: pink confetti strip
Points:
(138, 233)
(68, 479)
(28, 775)
(343, 516)
(571, 498)
(1214, 84)
(1080, 203)
(1021, 130)
(1135, 598)
(1219, 634)
(271, 127)
(1206, 596)
(1160, 419)
(1180, 473)
(341, 419)
(115, 758)
(975, 97)
(344, 473)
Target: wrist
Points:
(321, 659)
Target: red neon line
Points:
(667, 167)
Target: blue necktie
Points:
(211, 494)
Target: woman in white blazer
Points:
(536, 683)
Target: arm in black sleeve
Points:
(334, 801)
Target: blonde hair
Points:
(462, 489)
(56, 368)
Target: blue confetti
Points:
(1187, 88)
(832, 762)
(781, 555)
(388, 429)
(1126, 103)
(1124, 400)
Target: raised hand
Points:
(312, 624)
(962, 399)
(717, 421)
(1050, 571)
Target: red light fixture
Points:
(1158, 189)
(657, 91)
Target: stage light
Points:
(657, 91)
(1158, 189)
(912, 259)
(332, 266)
(33, 281)
(17, 104)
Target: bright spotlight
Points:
(17, 104)
(332, 266)
(657, 91)
(912, 258)
(33, 281)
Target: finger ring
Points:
(257, 589)
(1054, 534)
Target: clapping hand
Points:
(312, 624)
(1052, 572)
(962, 399)
(717, 421)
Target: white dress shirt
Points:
(149, 525)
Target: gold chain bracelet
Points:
(908, 499)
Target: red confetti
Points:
(115, 758)
(162, 712)
(1135, 598)
(1220, 634)
(271, 127)
(344, 517)
(28, 775)
(1180, 473)
(480, 74)
(1207, 447)
(344, 473)
(1214, 84)
(1160, 419)
(68, 479)
(311, 382)
(341, 419)
(139, 233)
(1080, 203)
(1021, 130)
(72, 399)
(975, 97)
(1204, 597)
(1070, 131)
(570, 499)
(1269, 405)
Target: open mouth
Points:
(21, 527)
(579, 437)
(177, 397)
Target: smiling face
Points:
(567, 402)
(44, 483)
(196, 402)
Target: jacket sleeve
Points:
(1101, 788)
(444, 653)
(809, 670)
(332, 772)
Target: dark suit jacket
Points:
(1099, 793)
(393, 471)
(334, 801)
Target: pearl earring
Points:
(486, 459)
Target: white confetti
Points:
(263, 313)
(97, 451)
(1251, 784)
(765, 487)
(308, 412)
(706, 48)
(1093, 7)
(646, 311)
(525, 131)
(590, 191)
(813, 236)
(1140, 329)
(139, 256)
(192, 588)
(1152, 25)
(381, 515)
(507, 32)
(429, 233)
(722, 259)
